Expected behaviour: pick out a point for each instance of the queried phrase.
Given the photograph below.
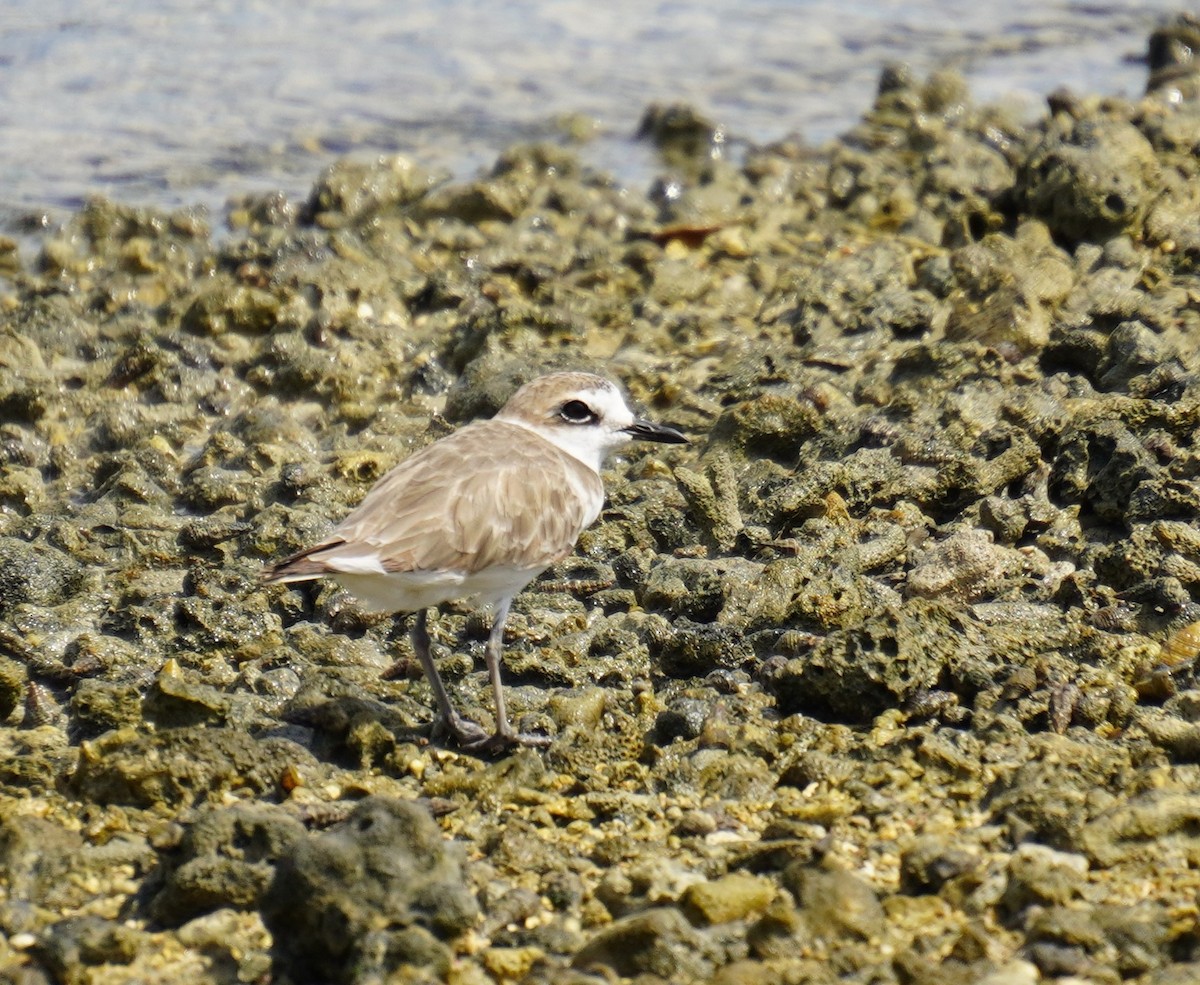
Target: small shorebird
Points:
(480, 513)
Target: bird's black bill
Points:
(649, 431)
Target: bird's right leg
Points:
(505, 736)
(466, 732)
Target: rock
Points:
(74, 945)
(967, 564)
(100, 705)
(929, 564)
(1171, 60)
(36, 855)
(695, 588)
(930, 863)
(835, 904)
(1086, 778)
(736, 896)
(679, 132)
(1041, 876)
(35, 574)
(1090, 179)
(658, 942)
(1152, 821)
(855, 674)
(1131, 940)
(355, 189)
(173, 701)
(180, 767)
(1010, 973)
(692, 649)
(1006, 289)
(12, 686)
(380, 890)
(227, 858)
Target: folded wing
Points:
(492, 493)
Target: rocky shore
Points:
(889, 676)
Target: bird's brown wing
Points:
(492, 493)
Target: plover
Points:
(480, 514)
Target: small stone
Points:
(1041, 876)
(511, 963)
(928, 865)
(736, 896)
(658, 942)
(835, 904)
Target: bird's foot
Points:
(472, 737)
(466, 733)
(502, 741)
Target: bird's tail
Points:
(301, 566)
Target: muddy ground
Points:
(888, 676)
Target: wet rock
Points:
(930, 556)
(1175, 974)
(930, 863)
(12, 686)
(736, 896)
(683, 718)
(1005, 518)
(1171, 58)
(681, 133)
(714, 498)
(581, 711)
(71, 947)
(1086, 778)
(226, 858)
(1006, 289)
(777, 932)
(36, 856)
(771, 425)
(99, 706)
(835, 904)
(1133, 349)
(353, 190)
(34, 760)
(1152, 821)
(185, 766)
(658, 942)
(813, 766)
(1130, 940)
(1041, 876)
(854, 675)
(967, 564)
(694, 588)
(226, 308)
(1101, 463)
(1090, 179)
(691, 649)
(380, 890)
(176, 702)
(35, 574)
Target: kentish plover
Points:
(481, 513)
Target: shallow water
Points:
(171, 102)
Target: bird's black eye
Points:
(577, 412)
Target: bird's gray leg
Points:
(504, 736)
(492, 653)
(466, 733)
